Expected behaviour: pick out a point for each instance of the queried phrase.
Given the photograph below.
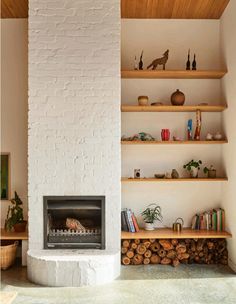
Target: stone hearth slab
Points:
(73, 267)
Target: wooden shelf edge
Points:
(168, 233)
(5, 235)
(173, 74)
(172, 142)
(161, 180)
(170, 108)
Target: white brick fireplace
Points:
(74, 129)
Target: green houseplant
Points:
(211, 172)
(150, 214)
(193, 166)
(15, 217)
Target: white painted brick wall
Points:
(74, 106)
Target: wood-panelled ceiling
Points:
(14, 8)
(176, 9)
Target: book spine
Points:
(214, 220)
(193, 225)
(124, 225)
(127, 220)
(223, 219)
(130, 221)
(219, 222)
(135, 223)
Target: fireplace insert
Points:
(75, 222)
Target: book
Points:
(135, 222)
(213, 219)
(124, 225)
(127, 220)
(219, 219)
(132, 229)
(223, 219)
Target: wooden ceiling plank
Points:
(14, 8)
(176, 9)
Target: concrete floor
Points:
(195, 284)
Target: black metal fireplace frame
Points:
(71, 198)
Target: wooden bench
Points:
(18, 236)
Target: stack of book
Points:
(128, 221)
(210, 220)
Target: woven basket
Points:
(8, 255)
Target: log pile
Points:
(173, 252)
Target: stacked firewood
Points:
(173, 252)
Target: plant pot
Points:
(194, 172)
(149, 226)
(20, 227)
(211, 173)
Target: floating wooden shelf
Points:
(170, 108)
(5, 235)
(173, 74)
(171, 142)
(173, 180)
(168, 233)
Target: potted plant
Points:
(193, 166)
(211, 172)
(15, 216)
(150, 214)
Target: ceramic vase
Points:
(177, 98)
(194, 172)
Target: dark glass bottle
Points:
(188, 64)
(140, 65)
(194, 64)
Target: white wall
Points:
(74, 107)
(228, 44)
(14, 98)
(154, 37)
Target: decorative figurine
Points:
(194, 64)
(198, 125)
(160, 61)
(218, 136)
(142, 136)
(209, 136)
(174, 173)
(188, 64)
(176, 138)
(140, 65)
(135, 63)
(190, 129)
(137, 173)
(177, 98)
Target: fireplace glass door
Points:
(74, 222)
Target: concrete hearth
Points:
(72, 267)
